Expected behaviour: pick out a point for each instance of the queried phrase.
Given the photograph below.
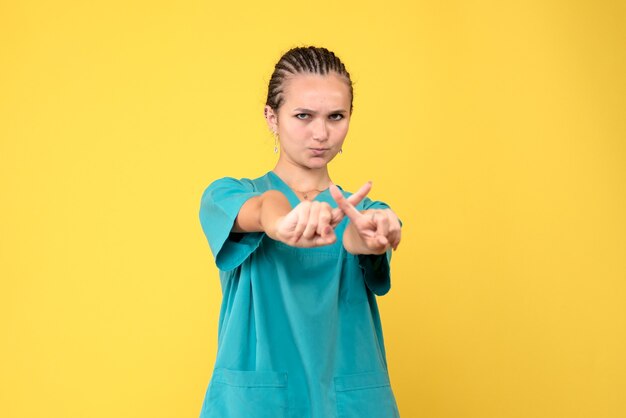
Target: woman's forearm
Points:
(260, 213)
(274, 205)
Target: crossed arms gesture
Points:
(313, 223)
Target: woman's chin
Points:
(317, 162)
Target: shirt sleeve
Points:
(376, 267)
(219, 207)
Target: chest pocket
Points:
(246, 394)
(365, 395)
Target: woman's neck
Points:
(302, 178)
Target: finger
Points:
(312, 222)
(360, 194)
(382, 223)
(395, 230)
(346, 207)
(325, 215)
(336, 216)
(328, 239)
(289, 222)
(393, 237)
(377, 244)
(368, 223)
(354, 199)
(303, 217)
(397, 239)
(382, 240)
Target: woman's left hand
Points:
(371, 231)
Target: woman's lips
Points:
(318, 151)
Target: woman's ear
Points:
(271, 118)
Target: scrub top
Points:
(299, 329)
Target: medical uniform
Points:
(299, 330)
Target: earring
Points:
(340, 150)
(275, 143)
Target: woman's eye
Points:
(336, 116)
(301, 116)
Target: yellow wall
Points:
(496, 130)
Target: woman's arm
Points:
(309, 224)
(259, 213)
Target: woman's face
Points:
(313, 120)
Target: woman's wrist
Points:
(274, 206)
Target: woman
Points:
(300, 264)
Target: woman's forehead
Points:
(316, 89)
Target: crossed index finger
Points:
(347, 206)
(360, 194)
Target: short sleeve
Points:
(219, 207)
(376, 267)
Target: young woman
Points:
(300, 263)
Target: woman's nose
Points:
(320, 131)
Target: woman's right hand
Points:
(312, 223)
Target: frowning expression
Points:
(313, 120)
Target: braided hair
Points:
(300, 60)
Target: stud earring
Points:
(340, 150)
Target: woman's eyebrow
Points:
(300, 109)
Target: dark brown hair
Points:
(304, 60)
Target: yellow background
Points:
(495, 130)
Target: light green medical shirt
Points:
(299, 330)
